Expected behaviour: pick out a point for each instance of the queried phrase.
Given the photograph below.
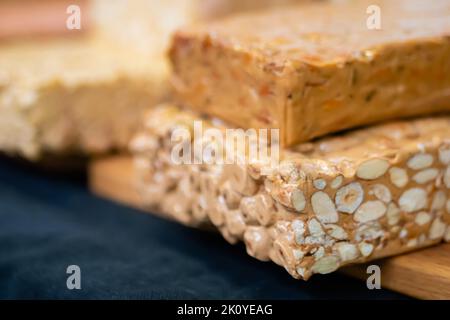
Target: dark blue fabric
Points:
(48, 223)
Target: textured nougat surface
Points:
(319, 68)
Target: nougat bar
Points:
(318, 68)
(343, 199)
(74, 95)
(146, 25)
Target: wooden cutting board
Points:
(423, 274)
(113, 178)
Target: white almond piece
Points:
(425, 176)
(324, 208)
(381, 192)
(444, 155)
(298, 200)
(320, 184)
(349, 197)
(439, 200)
(399, 177)
(326, 265)
(370, 211)
(414, 199)
(315, 229)
(298, 254)
(347, 251)
(437, 229)
(447, 235)
(365, 248)
(393, 214)
(319, 253)
(328, 241)
(369, 231)
(422, 218)
(372, 169)
(299, 231)
(298, 225)
(287, 170)
(301, 271)
(337, 182)
(310, 240)
(447, 177)
(337, 232)
(420, 161)
(299, 237)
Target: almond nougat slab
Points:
(346, 199)
(73, 95)
(315, 69)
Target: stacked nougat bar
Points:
(310, 71)
(366, 194)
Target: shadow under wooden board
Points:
(423, 274)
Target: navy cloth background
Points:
(48, 223)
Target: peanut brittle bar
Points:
(344, 199)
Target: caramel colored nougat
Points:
(351, 198)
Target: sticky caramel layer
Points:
(316, 69)
(77, 95)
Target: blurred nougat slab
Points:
(85, 94)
